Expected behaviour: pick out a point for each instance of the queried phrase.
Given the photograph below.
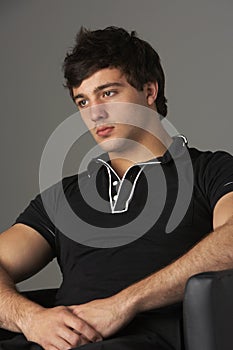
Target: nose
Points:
(98, 112)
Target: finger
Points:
(71, 307)
(51, 347)
(60, 343)
(71, 336)
(83, 328)
(83, 340)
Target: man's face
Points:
(110, 106)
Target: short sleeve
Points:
(217, 176)
(40, 219)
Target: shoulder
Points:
(206, 155)
(68, 183)
(213, 173)
(209, 159)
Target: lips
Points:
(104, 130)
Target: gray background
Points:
(194, 40)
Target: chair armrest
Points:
(208, 311)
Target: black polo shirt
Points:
(91, 271)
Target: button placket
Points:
(126, 189)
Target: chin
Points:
(114, 145)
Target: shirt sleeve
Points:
(36, 216)
(217, 176)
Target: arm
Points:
(214, 252)
(23, 252)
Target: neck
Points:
(139, 152)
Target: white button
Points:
(115, 183)
(115, 197)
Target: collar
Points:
(175, 150)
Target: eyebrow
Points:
(99, 88)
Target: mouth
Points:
(104, 130)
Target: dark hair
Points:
(114, 47)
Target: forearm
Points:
(14, 308)
(215, 252)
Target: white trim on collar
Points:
(112, 171)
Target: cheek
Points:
(87, 121)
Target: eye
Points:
(109, 93)
(82, 103)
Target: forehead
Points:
(99, 78)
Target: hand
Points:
(107, 315)
(58, 329)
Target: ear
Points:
(151, 92)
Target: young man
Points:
(122, 288)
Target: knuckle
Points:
(46, 344)
(74, 339)
(93, 338)
(50, 347)
(66, 347)
(84, 341)
(90, 335)
(80, 326)
(61, 311)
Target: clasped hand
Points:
(65, 327)
(106, 316)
